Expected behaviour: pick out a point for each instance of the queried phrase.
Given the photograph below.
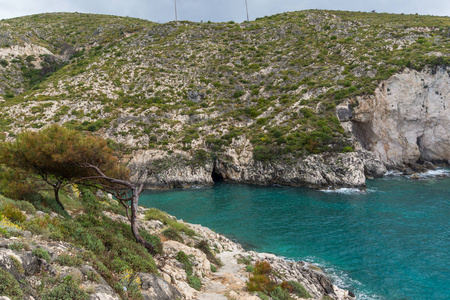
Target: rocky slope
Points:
(37, 264)
(252, 102)
(407, 119)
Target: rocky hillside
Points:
(92, 255)
(252, 102)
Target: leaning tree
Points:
(60, 156)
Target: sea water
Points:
(391, 241)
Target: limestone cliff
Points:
(407, 120)
(157, 169)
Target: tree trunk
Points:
(56, 188)
(133, 221)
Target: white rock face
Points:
(407, 119)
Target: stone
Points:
(429, 165)
(344, 112)
(156, 288)
(407, 118)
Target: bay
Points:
(391, 241)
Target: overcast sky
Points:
(214, 10)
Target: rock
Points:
(417, 167)
(196, 96)
(104, 292)
(344, 112)
(373, 167)
(336, 170)
(407, 171)
(156, 288)
(407, 119)
(157, 169)
(201, 263)
(429, 165)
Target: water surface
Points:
(390, 242)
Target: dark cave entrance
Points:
(216, 176)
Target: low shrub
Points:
(172, 234)
(67, 290)
(69, 260)
(280, 294)
(9, 286)
(156, 214)
(298, 289)
(204, 247)
(19, 246)
(261, 281)
(193, 280)
(154, 240)
(12, 213)
(41, 253)
(17, 264)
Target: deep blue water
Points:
(390, 242)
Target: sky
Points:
(214, 10)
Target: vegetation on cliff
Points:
(190, 86)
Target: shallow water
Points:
(390, 242)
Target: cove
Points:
(390, 242)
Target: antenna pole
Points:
(246, 7)
(176, 16)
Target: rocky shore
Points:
(156, 169)
(226, 282)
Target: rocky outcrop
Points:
(406, 120)
(156, 169)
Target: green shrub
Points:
(298, 289)
(172, 234)
(119, 265)
(193, 281)
(12, 213)
(154, 240)
(4, 62)
(18, 246)
(67, 290)
(9, 286)
(69, 260)
(238, 93)
(249, 268)
(347, 149)
(41, 253)
(280, 294)
(17, 264)
(204, 247)
(156, 214)
(26, 206)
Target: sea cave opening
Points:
(216, 176)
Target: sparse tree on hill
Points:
(60, 156)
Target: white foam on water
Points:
(393, 173)
(348, 191)
(435, 173)
(344, 281)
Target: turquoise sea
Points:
(391, 241)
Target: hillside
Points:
(256, 94)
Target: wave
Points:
(344, 281)
(348, 191)
(440, 172)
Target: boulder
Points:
(156, 288)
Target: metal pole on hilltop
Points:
(176, 16)
(246, 8)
